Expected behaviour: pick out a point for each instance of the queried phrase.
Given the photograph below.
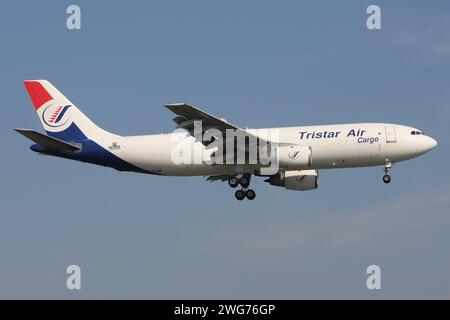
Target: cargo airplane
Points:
(298, 152)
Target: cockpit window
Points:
(416, 133)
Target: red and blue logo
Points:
(56, 116)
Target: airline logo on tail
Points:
(56, 116)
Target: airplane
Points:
(298, 152)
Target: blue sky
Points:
(257, 64)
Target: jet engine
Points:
(296, 180)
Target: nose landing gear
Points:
(244, 192)
(387, 168)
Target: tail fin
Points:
(60, 118)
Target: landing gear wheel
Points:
(240, 195)
(245, 182)
(233, 182)
(387, 168)
(250, 194)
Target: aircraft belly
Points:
(344, 154)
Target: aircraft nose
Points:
(430, 143)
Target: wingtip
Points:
(178, 104)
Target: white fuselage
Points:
(332, 146)
(71, 134)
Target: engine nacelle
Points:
(294, 157)
(296, 180)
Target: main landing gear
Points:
(244, 192)
(387, 167)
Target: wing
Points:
(221, 178)
(192, 118)
(187, 116)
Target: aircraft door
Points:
(390, 134)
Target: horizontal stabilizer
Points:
(48, 142)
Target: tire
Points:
(250, 194)
(386, 178)
(245, 182)
(233, 182)
(240, 195)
